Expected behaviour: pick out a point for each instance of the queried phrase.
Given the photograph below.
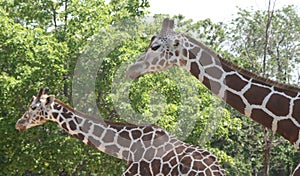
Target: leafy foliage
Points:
(81, 49)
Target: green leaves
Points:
(247, 37)
(42, 43)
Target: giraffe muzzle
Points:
(21, 125)
(134, 71)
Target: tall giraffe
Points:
(148, 149)
(274, 105)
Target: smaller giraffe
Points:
(148, 149)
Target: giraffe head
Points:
(38, 112)
(165, 50)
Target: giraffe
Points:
(148, 149)
(274, 105)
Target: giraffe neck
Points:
(275, 106)
(116, 139)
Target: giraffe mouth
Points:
(134, 71)
(21, 128)
(20, 125)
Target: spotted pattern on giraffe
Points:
(148, 149)
(272, 104)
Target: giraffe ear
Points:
(49, 100)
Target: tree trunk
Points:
(268, 139)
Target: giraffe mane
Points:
(260, 78)
(245, 72)
(97, 120)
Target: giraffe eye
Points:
(33, 108)
(155, 47)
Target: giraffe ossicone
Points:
(148, 149)
(274, 105)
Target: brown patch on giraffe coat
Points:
(147, 129)
(173, 161)
(182, 62)
(205, 59)
(93, 142)
(214, 72)
(64, 126)
(279, 105)
(185, 164)
(179, 149)
(198, 165)
(169, 156)
(288, 130)
(60, 119)
(112, 149)
(149, 154)
(195, 69)
(209, 161)
(155, 165)
(154, 61)
(165, 169)
(184, 52)
(174, 171)
(161, 151)
(54, 115)
(108, 136)
(72, 125)
(79, 136)
(205, 153)
(190, 150)
(195, 50)
(212, 85)
(144, 168)
(134, 169)
(125, 135)
(235, 101)
(136, 134)
(160, 138)
(125, 154)
(98, 130)
(177, 52)
(191, 55)
(168, 147)
(123, 142)
(296, 110)
(86, 126)
(234, 82)
(208, 173)
(147, 137)
(162, 62)
(78, 120)
(66, 113)
(138, 151)
(256, 94)
(262, 118)
(193, 173)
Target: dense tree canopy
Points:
(81, 49)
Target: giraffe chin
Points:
(20, 126)
(133, 75)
